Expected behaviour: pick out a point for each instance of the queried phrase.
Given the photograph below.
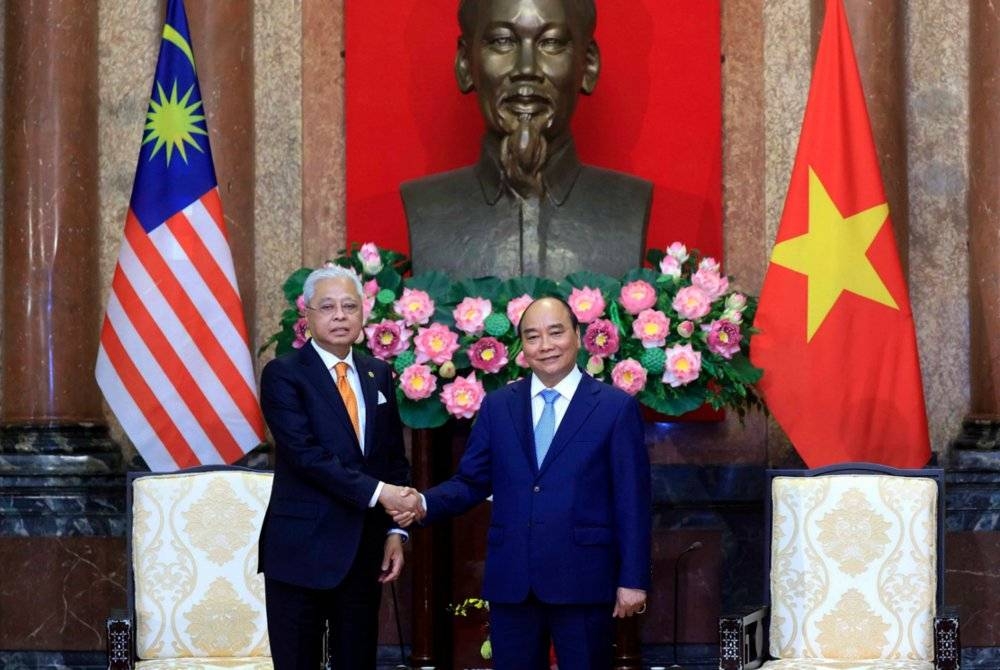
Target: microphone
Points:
(694, 546)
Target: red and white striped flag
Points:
(174, 362)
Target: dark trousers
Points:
(297, 616)
(521, 634)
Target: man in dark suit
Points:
(529, 206)
(327, 545)
(569, 539)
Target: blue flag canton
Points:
(175, 160)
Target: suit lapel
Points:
(369, 389)
(519, 405)
(325, 384)
(583, 403)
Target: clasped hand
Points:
(403, 504)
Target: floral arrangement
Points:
(676, 336)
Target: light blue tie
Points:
(546, 427)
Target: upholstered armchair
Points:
(194, 596)
(855, 558)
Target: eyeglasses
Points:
(329, 309)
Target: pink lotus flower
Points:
(683, 365)
(685, 328)
(371, 260)
(710, 264)
(387, 339)
(370, 288)
(637, 296)
(587, 303)
(516, 307)
(601, 338)
(670, 266)
(417, 382)
(629, 376)
(300, 304)
(470, 314)
(692, 303)
(436, 343)
(724, 338)
(367, 305)
(302, 334)
(463, 396)
(651, 328)
(488, 354)
(415, 306)
(678, 252)
(521, 360)
(711, 282)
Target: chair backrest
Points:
(854, 564)
(193, 560)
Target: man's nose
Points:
(527, 63)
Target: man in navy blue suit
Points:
(327, 545)
(569, 539)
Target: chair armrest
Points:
(947, 643)
(742, 639)
(120, 640)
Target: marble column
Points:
(878, 31)
(222, 40)
(52, 433)
(981, 428)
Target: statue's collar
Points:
(558, 175)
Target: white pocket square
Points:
(381, 398)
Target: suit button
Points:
(537, 489)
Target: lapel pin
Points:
(371, 374)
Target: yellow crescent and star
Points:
(172, 122)
(833, 255)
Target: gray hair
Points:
(468, 10)
(330, 272)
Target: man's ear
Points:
(463, 68)
(591, 68)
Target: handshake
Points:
(403, 503)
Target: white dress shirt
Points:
(566, 388)
(330, 361)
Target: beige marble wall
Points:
(278, 125)
(937, 110)
(129, 43)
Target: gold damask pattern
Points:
(198, 594)
(220, 523)
(852, 569)
(852, 629)
(854, 534)
(827, 664)
(249, 663)
(221, 622)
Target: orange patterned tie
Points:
(347, 393)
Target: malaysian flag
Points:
(174, 362)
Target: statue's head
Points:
(527, 60)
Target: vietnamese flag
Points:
(836, 340)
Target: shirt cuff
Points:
(399, 531)
(378, 492)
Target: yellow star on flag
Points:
(832, 255)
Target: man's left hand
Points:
(392, 560)
(629, 602)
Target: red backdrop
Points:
(660, 120)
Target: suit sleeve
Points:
(297, 446)
(472, 483)
(632, 496)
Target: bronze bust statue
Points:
(529, 206)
